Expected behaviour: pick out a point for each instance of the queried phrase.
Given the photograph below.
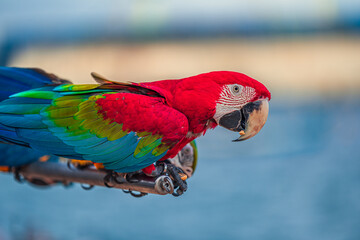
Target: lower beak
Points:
(248, 121)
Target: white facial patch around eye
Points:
(236, 89)
(231, 100)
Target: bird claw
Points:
(177, 175)
(137, 195)
(34, 181)
(132, 177)
(113, 176)
(17, 176)
(87, 187)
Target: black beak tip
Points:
(238, 140)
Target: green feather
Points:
(80, 133)
(146, 144)
(112, 130)
(160, 150)
(71, 97)
(71, 87)
(118, 134)
(86, 115)
(91, 124)
(36, 94)
(60, 112)
(65, 122)
(87, 103)
(101, 130)
(68, 103)
(143, 134)
(84, 92)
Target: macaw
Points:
(125, 126)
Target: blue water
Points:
(299, 178)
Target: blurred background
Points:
(299, 178)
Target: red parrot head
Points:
(229, 99)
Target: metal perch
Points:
(51, 172)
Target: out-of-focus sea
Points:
(299, 178)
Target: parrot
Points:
(125, 126)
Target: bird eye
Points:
(236, 89)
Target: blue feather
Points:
(103, 148)
(22, 121)
(66, 136)
(120, 167)
(25, 100)
(15, 80)
(146, 159)
(55, 148)
(132, 168)
(88, 143)
(22, 109)
(14, 155)
(115, 156)
(37, 135)
(9, 135)
(72, 156)
(31, 77)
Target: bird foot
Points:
(177, 175)
(113, 177)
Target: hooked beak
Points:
(248, 121)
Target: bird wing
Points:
(125, 131)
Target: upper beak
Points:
(248, 121)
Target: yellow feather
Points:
(119, 134)
(160, 149)
(62, 112)
(68, 103)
